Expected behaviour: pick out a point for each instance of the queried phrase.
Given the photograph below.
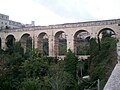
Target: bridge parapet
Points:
(67, 25)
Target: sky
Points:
(50, 12)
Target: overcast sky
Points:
(46, 12)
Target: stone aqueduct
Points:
(52, 31)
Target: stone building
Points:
(5, 23)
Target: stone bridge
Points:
(71, 30)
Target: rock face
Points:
(113, 82)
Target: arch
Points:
(100, 34)
(104, 29)
(79, 31)
(10, 40)
(24, 36)
(26, 42)
(60, 45)
(42, 34)
(43, 43)
(81, 42)
(58, 33)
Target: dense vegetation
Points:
(32, 71)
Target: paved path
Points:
(113, 82)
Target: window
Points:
(5, 23)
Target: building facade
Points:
(5, 23)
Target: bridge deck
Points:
(68, 25)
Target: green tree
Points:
(70, 63)
(71, 68)
(34, 71)
(102, 61)
(31, 84)
(45, 47)
(62, 46)
(12, 61)
(60, 79)
(29, 45)
(34, 67)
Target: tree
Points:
(45, 47)
(29, 45)
(34, 67)
(31, 84)
(11, 74)
(71, 68)
(70, 63)
(62, 46)
(102, 61)
(60, 79)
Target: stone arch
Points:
(105, 29)
(60, 43)
(100, 34)
(26, 42)
(9, 41)
(43, 43)
(81, 42)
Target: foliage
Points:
(101, 60)
(32, 71)
(59, 79)
(34, 67)
(11, 75)
(28, 47)
(83, 46)
(45, 47)
(70, 63)
(31, 84)
(62, 46)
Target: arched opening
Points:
(60, 43)
(81, 42)
(43, 44)
(10, 40)
(105, 32)
(26, 42)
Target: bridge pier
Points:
(3, 44)
(70, 43)
(35, 42)
(51, 46)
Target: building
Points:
(29, 25)
(5, 23)
(14, 24)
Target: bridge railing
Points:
(67, 25)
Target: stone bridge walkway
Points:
(113, 82)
